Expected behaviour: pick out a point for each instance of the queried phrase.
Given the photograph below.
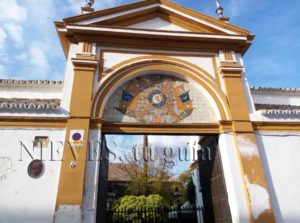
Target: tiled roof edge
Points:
(19, 103)
(269, 89)
(31, 82)
(275, 109)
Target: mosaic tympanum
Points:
(158, 98)
(155, 99)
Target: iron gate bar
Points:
(156, 215)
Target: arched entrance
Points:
(159, 97)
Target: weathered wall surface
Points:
(233, 178)
(22, 198)
(232, 175)
(280, 155)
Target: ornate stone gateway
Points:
(157, 67)
(148, 67)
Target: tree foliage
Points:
(128, 206)
(188, 190)
(149, 177)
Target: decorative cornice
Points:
(31, 82)
(275, 109)
(276, 112)
(110, 30)
(275, 90)
(25, 103)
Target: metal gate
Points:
(156, 215)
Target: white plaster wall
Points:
(233, 179)
(280, 154)
(41, 92)
(194, 147)
(22, 198)
(206, 63)
(199, 199)
(113, 58)
(259, 117)
(245, 82)
(69, 76)
(276, 98)
(158, 24)
(34, 113)
(196, 181)
(91, 178)
(281, 98)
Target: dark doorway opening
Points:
(211, 196)
(212, 181)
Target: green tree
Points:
(187, 187)
(138, 208)
(149, 174)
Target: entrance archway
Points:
(158, 96)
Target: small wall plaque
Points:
(36, 169)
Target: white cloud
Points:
(234, 7)
(3, 37)
(15, 31)
(75, 6)
(21, 57)
(38, 60)
(27, 29)
(11, 10)
(58, 75)
(2, 72)
(169, 141)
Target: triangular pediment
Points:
(151, 22)
(157, 15)
(158, 23)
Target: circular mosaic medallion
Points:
(153, 99)
(36, 169)
(157, 99)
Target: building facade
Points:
(147, 67)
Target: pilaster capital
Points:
(85, 62)
(230, 69)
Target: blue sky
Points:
(120, 145)
(29, 47)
